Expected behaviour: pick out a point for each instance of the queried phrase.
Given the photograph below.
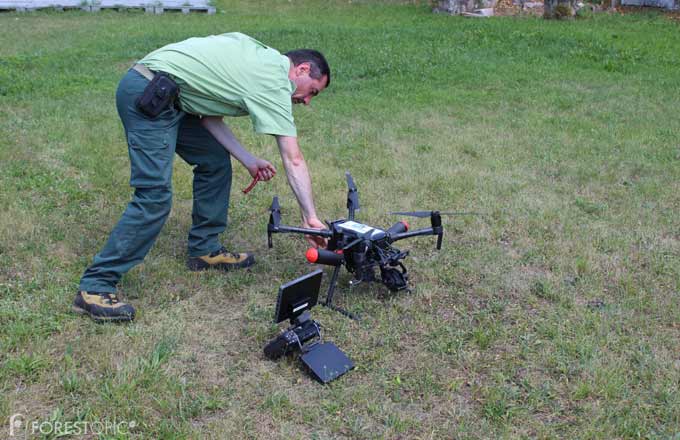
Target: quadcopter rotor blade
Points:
(419, 214)
(352, 196)
(275, 204)
(424, 214)
(274, 220)
(350, 182)
(275, 210)
(459, 213)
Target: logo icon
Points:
(16, 421)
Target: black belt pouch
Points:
(158, 95)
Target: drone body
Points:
(362, 249)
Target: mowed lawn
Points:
(554, 314)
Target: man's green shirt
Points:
(231, 75)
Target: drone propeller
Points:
(424, 214)
(275, 212)
(274, 219)
(352, 196)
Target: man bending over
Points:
(173, 101)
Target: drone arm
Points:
(438, 231)
(416, 233)
(323, 256)
(307, 231)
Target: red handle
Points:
(252, 184)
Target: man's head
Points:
(310, 73)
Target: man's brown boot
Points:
(221, 259)
(102, 307)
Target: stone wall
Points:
(457, 7)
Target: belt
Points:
(146, 73)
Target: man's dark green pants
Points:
(152, 144)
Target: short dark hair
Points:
(316, 60)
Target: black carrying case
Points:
(159, 94)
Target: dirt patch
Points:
(32, 401)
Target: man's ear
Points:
(303, 68)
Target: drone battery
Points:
(361, 230)
(326, 362)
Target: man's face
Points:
(307, 87)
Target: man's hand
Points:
(315, 241)
(261, 169)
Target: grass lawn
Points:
(554, 315)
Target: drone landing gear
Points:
(342, 311)
(329, 297)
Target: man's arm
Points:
(255, 166)
(299, 180)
